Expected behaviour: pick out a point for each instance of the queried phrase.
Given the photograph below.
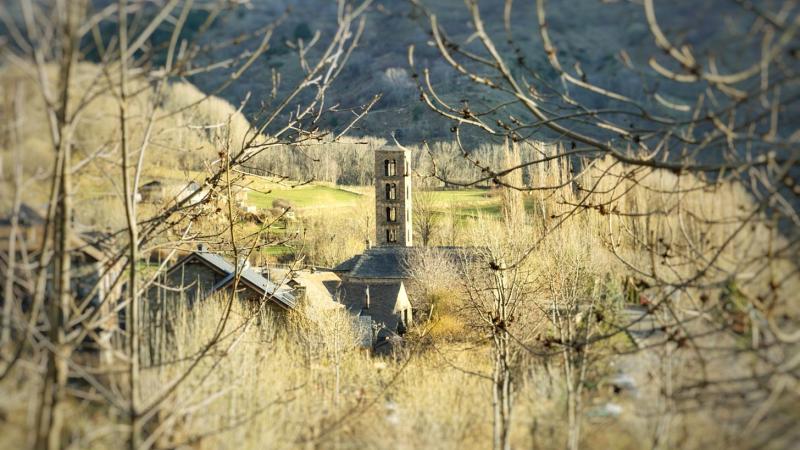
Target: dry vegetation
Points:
(304, 384)
(519, 342)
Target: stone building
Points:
(393, 197)
(373, 283)
(151, 192)
(94, 271)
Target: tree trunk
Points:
(501, 375)
(50, 414)
(132, 316)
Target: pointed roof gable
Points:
(283, 295)
(401, 302)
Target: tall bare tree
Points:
(496, 297)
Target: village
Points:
(369, 286)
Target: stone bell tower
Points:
(393, 197)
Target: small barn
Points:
(152, 192)
(318, 288)
(202, 273)
(191, 192)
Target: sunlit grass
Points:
(305, 197)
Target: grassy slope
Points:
(311, 196)
(470, 203)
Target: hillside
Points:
(177, 147)
(587, 32)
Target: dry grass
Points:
(301, 386)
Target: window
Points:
(408, 192)
(391, 214)
(391, 191)
(391, 235)
(390, 167)
(408, 169)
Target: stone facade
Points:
(393, 226)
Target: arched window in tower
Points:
(391, 191)
(391, 235)
(390, 166)
(391, 214)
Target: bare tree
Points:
(427, 221)
(496, 298)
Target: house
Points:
(29, 228)
(91, 253)
(202, 273)
(191, 192)
(317, 288)
(240, 194)
(152, 192)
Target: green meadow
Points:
(309, 196)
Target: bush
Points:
(281, 203)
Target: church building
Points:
(373, 283)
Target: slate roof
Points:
(28, 216)
(283, 294)
(388, 262)
(213, 259)
(96, 245)
(382, 262)
(152, 185)
(347, 265)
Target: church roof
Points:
(389, 262)
(382, 262)
(347, 265)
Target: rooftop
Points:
(283, 294)
(388, 262)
